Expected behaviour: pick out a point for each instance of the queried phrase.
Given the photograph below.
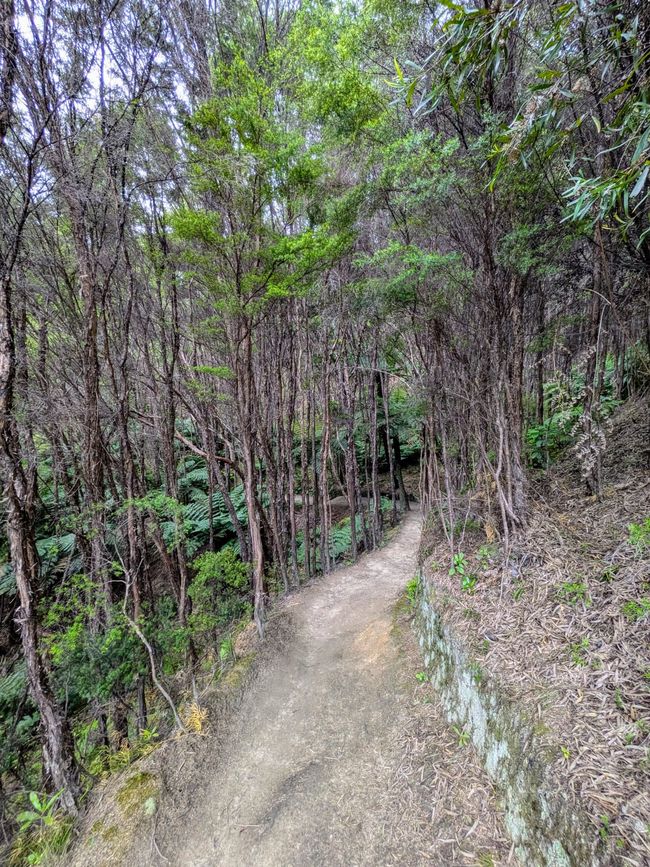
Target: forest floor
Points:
(336, 754)
(563, 629)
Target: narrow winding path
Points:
(323, 765)
(301, 785)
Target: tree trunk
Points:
(56, 738)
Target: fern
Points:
(13, 685)
(341, 538)
(7, 580)
(54, 547)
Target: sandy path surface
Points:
(330, 757)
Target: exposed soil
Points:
(337, 754)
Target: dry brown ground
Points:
(554, 631)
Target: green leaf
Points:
(410, 92)
(640, 182)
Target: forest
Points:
(272, 274)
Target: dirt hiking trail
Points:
(337, 755)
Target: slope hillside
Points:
(562, 626)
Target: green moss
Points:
(402, 608)
(99, 831)
(238, 672)
(137, 789)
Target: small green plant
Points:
(42, 812)
(485, 554)
(462, 735)
(44, 831)
(603, 829)
(518, 591)
(486, 859)
(639, 536)
(459, 567)
(578, 651)
(638, 730)
(609, 574)
(573, 592)
(458, 564)
(566, 752)
(477, 673)
(412, 589)
(468, 583)
(635, 609)
(227, 649)
(618, 699)
(421, 677)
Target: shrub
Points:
(219, 590)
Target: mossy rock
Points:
(137, 790)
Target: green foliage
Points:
(486, 554)
(42, 812)
(413, 589)
(459, 564)
(18, 718)
(639, 536)
(477, 673)
(578, 651)
(219, 590)
(545, 442)
(90, 663)
(459, 567)
(44, 831)
(609, 574)
(188, 523)
(401, 268)
(573, 592)
(164, 632)
(340, 537)
(241, 151)
(227, 649)
(604, 827)
(559, 96)
(636, 609)
(334, 91)
(563, 410)
(104, 761)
